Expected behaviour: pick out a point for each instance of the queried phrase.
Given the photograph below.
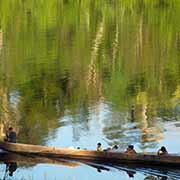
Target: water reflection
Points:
(111, 69)
(158, 173)
(131, 171)
(10, 168)
(1, 40)
(131, 174)
(138, 127)
(53, 82)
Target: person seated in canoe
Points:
(10, 135)
(130, 150)
(114, 149)
(162, 151)
(99, 148)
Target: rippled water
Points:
(24, 167)
(74, 73)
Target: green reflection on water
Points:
(59, 55)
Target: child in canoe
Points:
(130, 150)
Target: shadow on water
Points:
(152, 173)
(10, 169)
(13, 161)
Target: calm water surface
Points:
(74, 73)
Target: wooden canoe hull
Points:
(87, 155)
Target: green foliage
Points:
(76, 52)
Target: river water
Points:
(74, 73)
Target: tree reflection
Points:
(123, 52)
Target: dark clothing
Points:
(12, 137)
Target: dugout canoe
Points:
(89, 155)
